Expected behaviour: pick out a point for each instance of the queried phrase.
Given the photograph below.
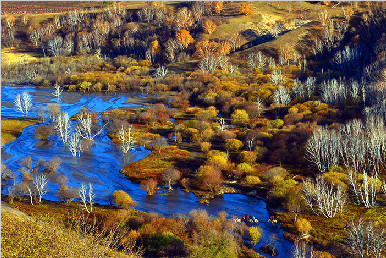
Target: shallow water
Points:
(101, 165)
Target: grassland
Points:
(331, 231)
(154, 164)
(44, 237)
(12, 128)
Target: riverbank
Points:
(101, 165)
(145, 233)
(12, 128)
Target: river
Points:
(101, 165)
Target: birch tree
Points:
(277, 77)
(73, 144)
(310, 85)
(62, 126)
(87, 195)
(55, 45)
(23, 103)
(58, 91)
(85, 127)
(281, 96)
(82, 192)
(322, 148)
(324, 198)
(250, 143)
(161, 72)
(223, 124)
(91, 195)
(27, 189)
(366, 240)
(40, 182)
(126, 141)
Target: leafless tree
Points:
(7, 173)
(73, 144)
(281, 96)
(368, 190)
(322, 148)
(87, 195)
(301, 249)
(211, 61)
(259, 106)
(366, 240)
(384, 189)
(53, 110)
(310, 85)
(277, 77)
(27, 162)
(333, 91)
(250, 143)
(146, 14)
(62, 126)
(298, 88)
(58, 91)
(27, 189)
(324, 198)
(23, 103)
(91, 195)
(55, 45)
(85, 127)
(161, 72)
(68, 45)
(223, 124)
(160, 142)
(53, 164)
(41, 112)
(40, 182)
(127, 142)
(82, 192)
(172, 49)
(257, 60)
(362, 151)
(26, 174)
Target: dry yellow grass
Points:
(22, 237)
(12, 128)
(9, 56)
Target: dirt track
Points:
(6, 207)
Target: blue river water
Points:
(102, 164)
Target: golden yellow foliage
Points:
(155, 46)
(303, 225)
(184, 37)
(246, 9)
(208, 26)
(121, 198)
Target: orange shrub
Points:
(246, 9)
(208, 26)
(184, 37)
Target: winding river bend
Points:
(101, 165)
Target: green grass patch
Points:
(154, 164)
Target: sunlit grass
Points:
(10, 57)
(29, 238)
(12, 128)
(154, 164)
